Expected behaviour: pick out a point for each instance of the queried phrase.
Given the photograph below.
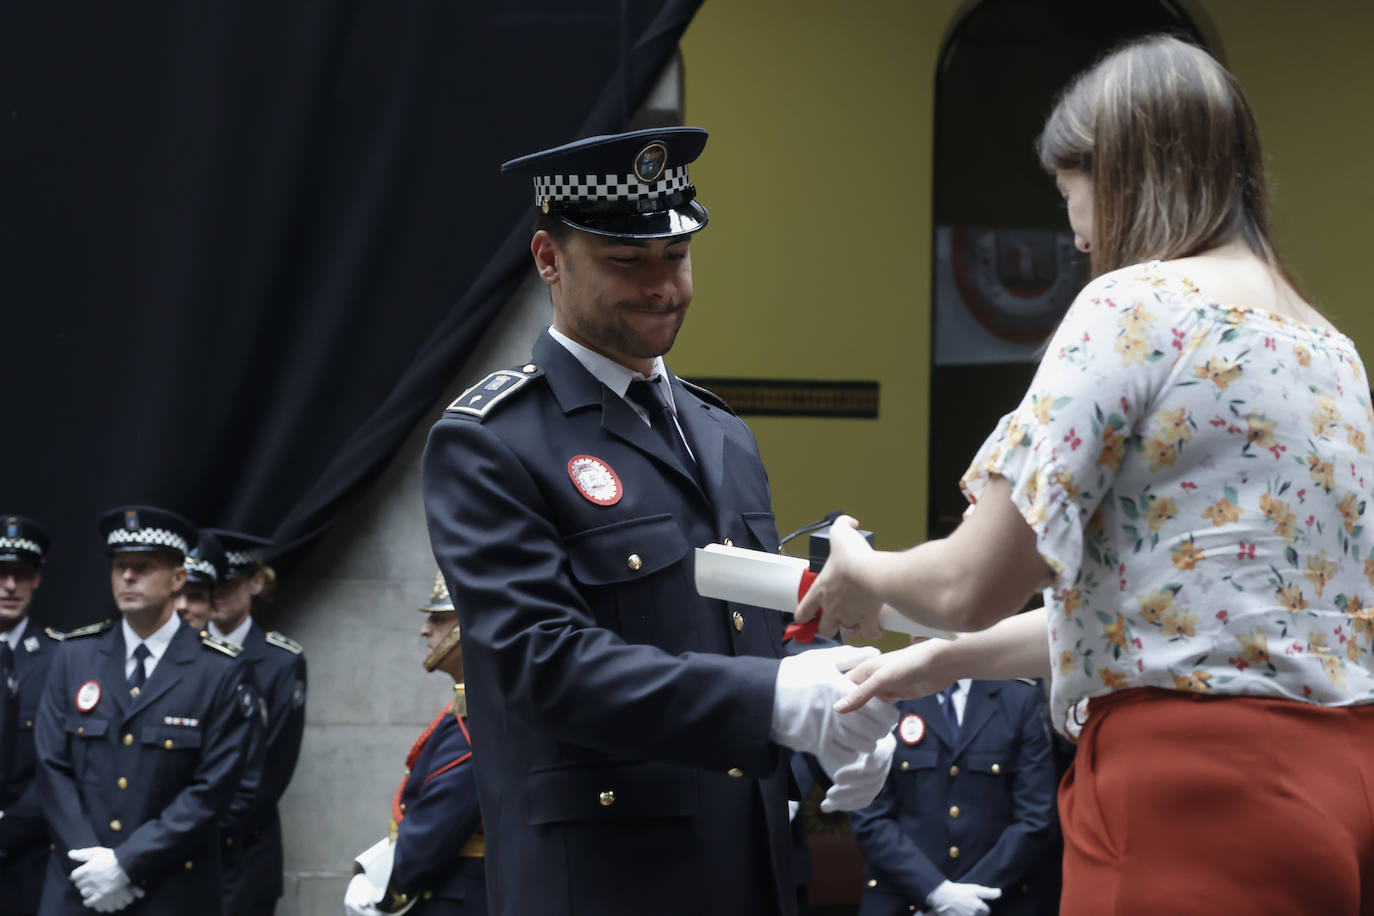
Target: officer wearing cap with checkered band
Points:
(436, 831)
(253, 876)
(635, 733)
(140, 739)
(25, 653)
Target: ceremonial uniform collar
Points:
(16, 636)
(613, 375)
(156, 643)
(238, 636)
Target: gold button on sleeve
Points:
(872, 882)
(116, 826)
(954, 769)
(735, 772)
(953, 810)
(738, 619)
(122, 782)
(906, 764)
(128, 739)
(167, 744)
(190, 864)
(606, 798)
(81, 729)
(28, 723)
(996, 769)
(954, 852)
(634, 562)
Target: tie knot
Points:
(141, 652)
(647, 395)
(949, 692)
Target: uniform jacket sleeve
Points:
(183, 824)
(285, 730)
(523, 616)
(254, 759)
(438, 820)
(1023, 841)
(57, 791)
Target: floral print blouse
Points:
(1197, 477)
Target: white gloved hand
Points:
(950, 899)
(804, 696)
(362, 897)
(103, 885)
(858, 780)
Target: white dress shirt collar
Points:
(157, 643)
(238, 635)
(16, 635)
(613, 375)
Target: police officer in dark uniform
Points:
(140, 738)
(253, 882)
(968, 808)
(438, 847)
(627, 731)
(25, 652)
(206, 565)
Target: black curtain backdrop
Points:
(245, 245)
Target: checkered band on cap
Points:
(608, 187)
(20, 544)
(201, 568)
(151, 537)
(241, 557)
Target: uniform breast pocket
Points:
(633, 574)
(764, 529)
(996, 771)
(175, 748)
(611, 792)
(83, 733)
(914, 760)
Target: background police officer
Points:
(253, 879)
(25, 651)
(140, 739)
(437, 861)
(629, 734)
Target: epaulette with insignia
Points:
(220, 645)
(478, 400)
(707, 395)
(284, 642)
(88, 630)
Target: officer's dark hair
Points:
(558, 230)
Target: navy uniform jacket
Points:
(981, 812)
(253, 874)
(621, 721)
(149, 777)
(438, 855)
(23, 832)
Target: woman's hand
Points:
(905, 674)
(838, 590)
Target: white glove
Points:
(103, 885)
(856, 748)
(950, 899)
(362, 897)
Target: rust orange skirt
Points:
(1180, 804)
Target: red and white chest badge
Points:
(87, 696)
(595, 480)
(912, 728)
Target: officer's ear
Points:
(547, 254)
(178, 578)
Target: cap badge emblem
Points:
(912, 728)
(595, 480)
(650, 162)
(12, 527)
(87, 696)
(131, 519)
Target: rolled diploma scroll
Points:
(375, 862)
(774, 581)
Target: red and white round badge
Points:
(87, 696)
(912, 728)
(595, 480)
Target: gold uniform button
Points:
(996, 768)
(735, 772)
(634, 562)
(911, 908)
(738, 618)
(407, 772)
(28, 723)
(906, 764)
(872, 882)
(606, 798)
(782, 550)
(134, 692)
(116, 826)
(122, 782)
(953, 810)
(81, 729)
(954, 852)
(228, 841)
(128, 739)
(167, 744)
(403, 807)
(729, 543)
(190, 864)
(529, 367)
(429, 895)
(954, 769)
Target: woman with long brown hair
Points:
(1186, 480)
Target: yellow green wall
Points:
(818, 179)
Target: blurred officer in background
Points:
(438, 855)
(205, 565)
(968, 808)
(140, 738)
(253, 882)
(25, 652)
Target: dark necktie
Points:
(649, 396)
(140, 674)
(7, 672)
(951, 717)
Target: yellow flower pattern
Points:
(1195, 478)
